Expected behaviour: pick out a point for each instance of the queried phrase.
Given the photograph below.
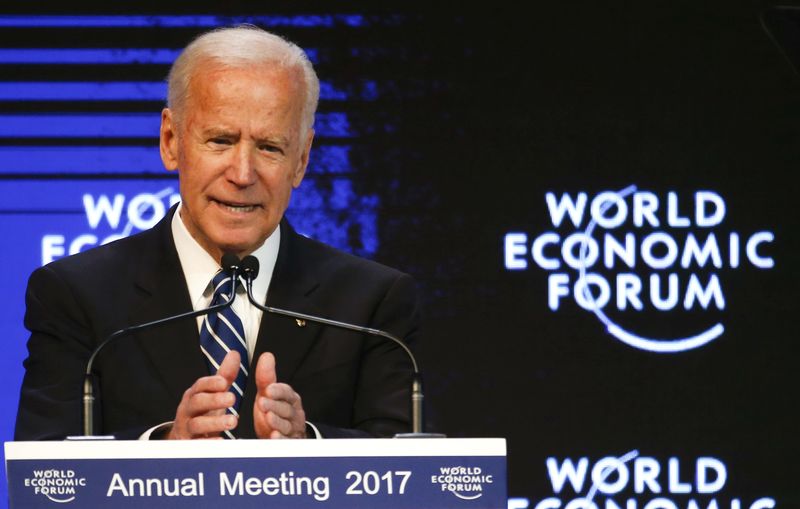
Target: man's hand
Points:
(201, 412)
(278, 410)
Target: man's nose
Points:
(242, 170)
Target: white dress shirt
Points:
(199, 268)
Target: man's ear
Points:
(168, 142)
(300, 171)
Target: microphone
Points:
(230, 265)
(250, 267)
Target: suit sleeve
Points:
(382, 401)
(58, 349)
(61, 341)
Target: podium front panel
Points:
(331, 474)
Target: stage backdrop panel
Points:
(596, 200)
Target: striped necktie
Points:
(221, 332)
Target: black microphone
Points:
(230, 265)
(250, 267)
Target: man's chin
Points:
(240, 248)
(240, 240)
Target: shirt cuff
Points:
(155, 430)
(317, 434)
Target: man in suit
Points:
(238, 129)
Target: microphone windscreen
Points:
(250, 266)
(229, 262)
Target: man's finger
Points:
(281, 408)
(211, 424)
(265, 371)
(280, 424)
(230, 367)
(213, 383)
(206, 402)
(201, 412)
(282, 392)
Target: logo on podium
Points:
(57, 485)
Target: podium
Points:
(285, 474)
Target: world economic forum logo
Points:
(635, 250)
(647, 482)
(56, 485)
(464, 482)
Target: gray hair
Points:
(237, 47)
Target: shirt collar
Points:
(199, 266)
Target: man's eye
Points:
(271, 148)
(220, 141)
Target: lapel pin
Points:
(300, 323)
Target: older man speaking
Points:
(238, 130)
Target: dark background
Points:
(460, 121)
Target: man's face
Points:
(239, 151)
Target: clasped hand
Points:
(277, 411)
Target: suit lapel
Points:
(293, 281)
(172, 348)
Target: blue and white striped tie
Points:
(221, 332)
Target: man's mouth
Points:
(235, 207)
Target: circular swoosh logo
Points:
(642, 343)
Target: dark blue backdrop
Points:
(440, 136)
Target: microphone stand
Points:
(417, 396)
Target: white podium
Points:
(286, 474)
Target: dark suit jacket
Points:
(351, 385)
